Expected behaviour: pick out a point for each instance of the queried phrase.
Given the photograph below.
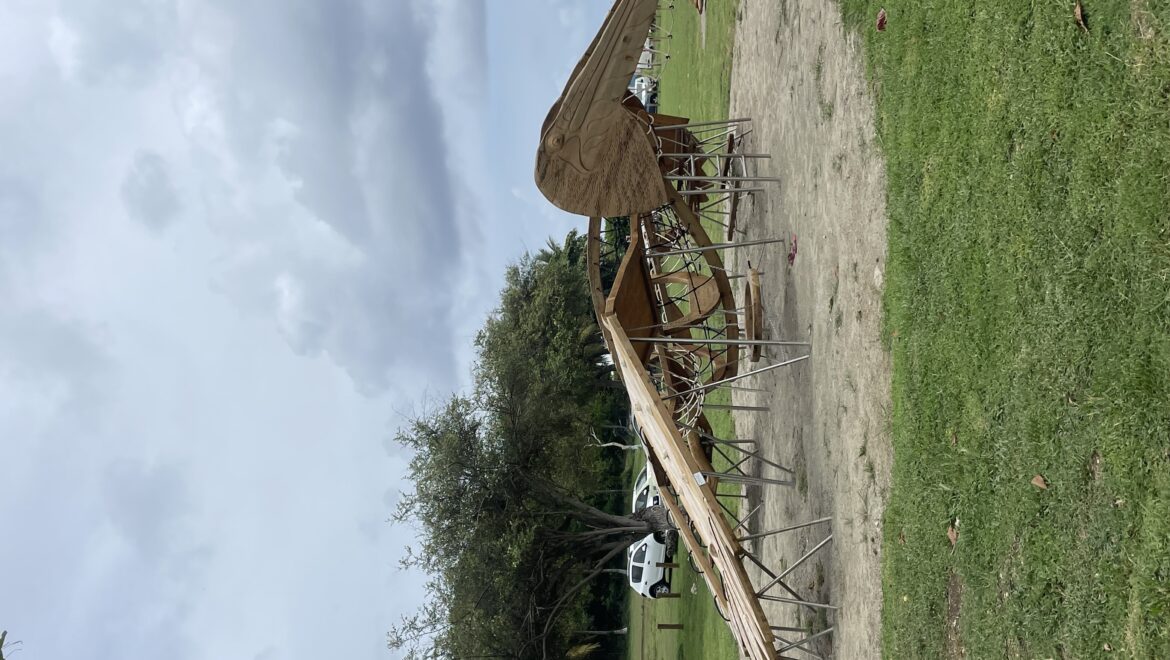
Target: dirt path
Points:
(801, 78)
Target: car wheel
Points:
(660, 537)
(659, 590)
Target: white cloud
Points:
(63, 45)
(190, 468)
(123, 43)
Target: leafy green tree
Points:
(510, 553)
(507, 480)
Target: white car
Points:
(646, 57)
(646, 575)
(645, 491)
(646, 90)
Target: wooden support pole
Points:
(670, 626)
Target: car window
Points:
(640, 555)
(635, 574)
(643, 496)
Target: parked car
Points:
(646, 90)
(645, 491)
(646, 58)
(645, 575)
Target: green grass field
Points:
(694, 84)
(1028, 312)
(696, 81)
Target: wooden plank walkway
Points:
(712, 544)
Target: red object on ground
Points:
(792, 251)
(881, 20)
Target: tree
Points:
(525, 546)
(5, 644)
(516, 507)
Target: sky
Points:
(240, 244)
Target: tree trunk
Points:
(657, 517)
(619, 631)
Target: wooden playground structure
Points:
(651, 184)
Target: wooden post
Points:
(666, 564)
(670, 626)
(671, 595)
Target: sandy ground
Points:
(801, 79)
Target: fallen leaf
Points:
(792, 251)
(1079, 15)
(881, 19)
(1107, 647)
(952, 534)
(902, 537)
(954, 438)
(1040, 482)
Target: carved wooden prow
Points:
(596, 157)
